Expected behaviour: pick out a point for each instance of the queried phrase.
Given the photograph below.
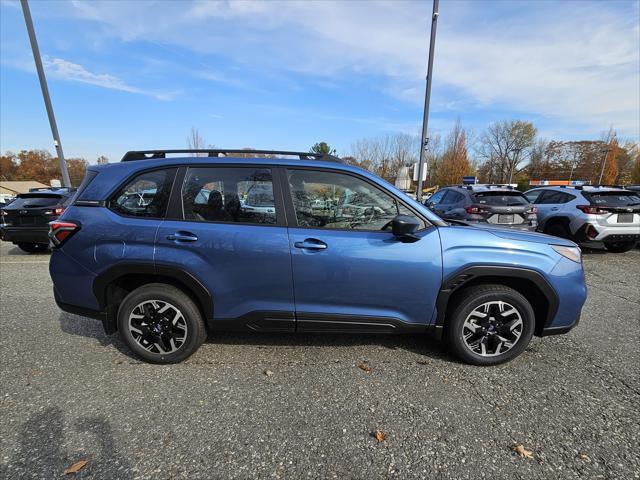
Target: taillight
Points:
(532, 210)
(476, 209)
(3, 213)
(59, 231)
(591, 209)
(58, 211)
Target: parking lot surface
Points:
(71, 393)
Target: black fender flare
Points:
(178, 274)
(464, 276)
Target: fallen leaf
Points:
(364, 367)
(268, 372)
(422, 362)
(379, 436)
(445, 380)
(76, 467)
(585, 457)
(522, 452)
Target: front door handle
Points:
(311, 244)
(182, 237)
(554, 209)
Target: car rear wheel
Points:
(33, 247)
(619, 247)
(491, 324)
(558, 229)
(160, 323)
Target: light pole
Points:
(424, 141)
(604, 161)
(45, 92)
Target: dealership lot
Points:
(71, 393)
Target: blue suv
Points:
(165, 249)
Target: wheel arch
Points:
(530, 283)
(111, 286)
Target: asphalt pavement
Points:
(71, 393)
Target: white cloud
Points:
(573, 62)
(66, 70)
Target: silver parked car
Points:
(601, 215)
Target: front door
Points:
(349, 271)
(231, 236)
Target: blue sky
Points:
(283, 75)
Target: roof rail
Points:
(153, 154)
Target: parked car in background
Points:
(498, 205)
(596, 215)
(372, 261)
(25, 221)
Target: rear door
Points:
(349, 271)
(238, 251)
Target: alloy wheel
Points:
(158, 326)
(492, 328)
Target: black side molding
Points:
(462, 277)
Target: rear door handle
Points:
(182, 237)
(311, 244)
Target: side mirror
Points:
(404, 228)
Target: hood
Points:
(521, 236)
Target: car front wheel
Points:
(491, 324)
(160, 323)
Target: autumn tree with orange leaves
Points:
(455, 162)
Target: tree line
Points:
(508, 151)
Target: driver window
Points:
(340, 201)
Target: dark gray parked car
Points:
(498, 205)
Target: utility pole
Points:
(424, 141)
(45, 92)
(604, 161)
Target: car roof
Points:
(578, 189)
(482, 188)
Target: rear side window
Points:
(30, 200)
(552, 196)
(613, 199)
(533, 195)
(437, 197)
(451, 197)
(511, 199)
(229, 195)
(147, 195)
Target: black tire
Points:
(33, 247)
(474, 297)
(619, 247)
(558, 229)
(179, 301)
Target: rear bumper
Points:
(559, 330)
(24, 234)
(608, 234)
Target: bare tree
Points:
(195, 141)
(504, 146)
(386, 154)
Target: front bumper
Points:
(24, 234)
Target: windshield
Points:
(34, 201)
(613, 199)
(501, 198)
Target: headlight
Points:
(572, 253)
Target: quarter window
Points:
(231, 195)
(147, 195)
(338, 201)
